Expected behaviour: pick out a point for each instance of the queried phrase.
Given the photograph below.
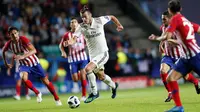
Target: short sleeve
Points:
(65, 37)
(6, 46)
(105, 19)
(173, 25)
(25, 41)
(195, 27)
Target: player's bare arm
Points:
(4, 58)
(32, 51)
(157, 38)
(117, 23)
(168, 36)
(63, 53)
(12, 63)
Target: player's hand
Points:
(120, 28)
(19, 57)
(64, 55)
(152, 37)
(9, 66)
(70, 42)
(9, 71)
(65, 43)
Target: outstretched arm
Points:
(32, 51)
(117, 23)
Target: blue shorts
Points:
(76, 66)
(36, 71)
(17, 76)
(184, 66)
(169, 61)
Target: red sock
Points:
(26, 90)
(192, 79)
(30, 86)
(18, 90)
(175, 93)
(164, 79)
(84, 84)
(52, 90)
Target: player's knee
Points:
(45, 80)
(88, 69)
(75, 79)
(163, 71)
(101, 77)
(170, 78)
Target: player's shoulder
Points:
(98, 19)
(7, 43)
(23, 38)
(66, 34)
(178, 17)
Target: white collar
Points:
(92, 24)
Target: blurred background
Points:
(134, 60)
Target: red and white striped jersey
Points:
(174, 52)
(184, 31)
(21, 48)
(77, 51)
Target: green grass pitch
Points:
(136, 100)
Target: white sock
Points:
(109, 81)
(92, 81)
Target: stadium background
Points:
(134, 60)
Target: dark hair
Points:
(166, 13)
(174, 6)
(73, 18)
(84, 9)
(12, 28)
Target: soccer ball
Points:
(73, 102)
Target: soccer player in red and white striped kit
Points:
(171, 55)
(77, 56)
(24, 51)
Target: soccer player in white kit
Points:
(93, 29)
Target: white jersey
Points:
(95, 36)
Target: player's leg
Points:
(92, 81)
(189, 77)
(196, 68)
(164, 69)
(24, 74)
(172, 80)
(26, 92)
(83, 79)
(18, 90)
(107, 80)
(181, 68)
(29, 84)
(99, 70)
(38, 70)
(18, 86)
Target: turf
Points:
(136, 100)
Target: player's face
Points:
(165, 20)
(74, 24)
(86, 17)
(14, 35)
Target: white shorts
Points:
(100, 60)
